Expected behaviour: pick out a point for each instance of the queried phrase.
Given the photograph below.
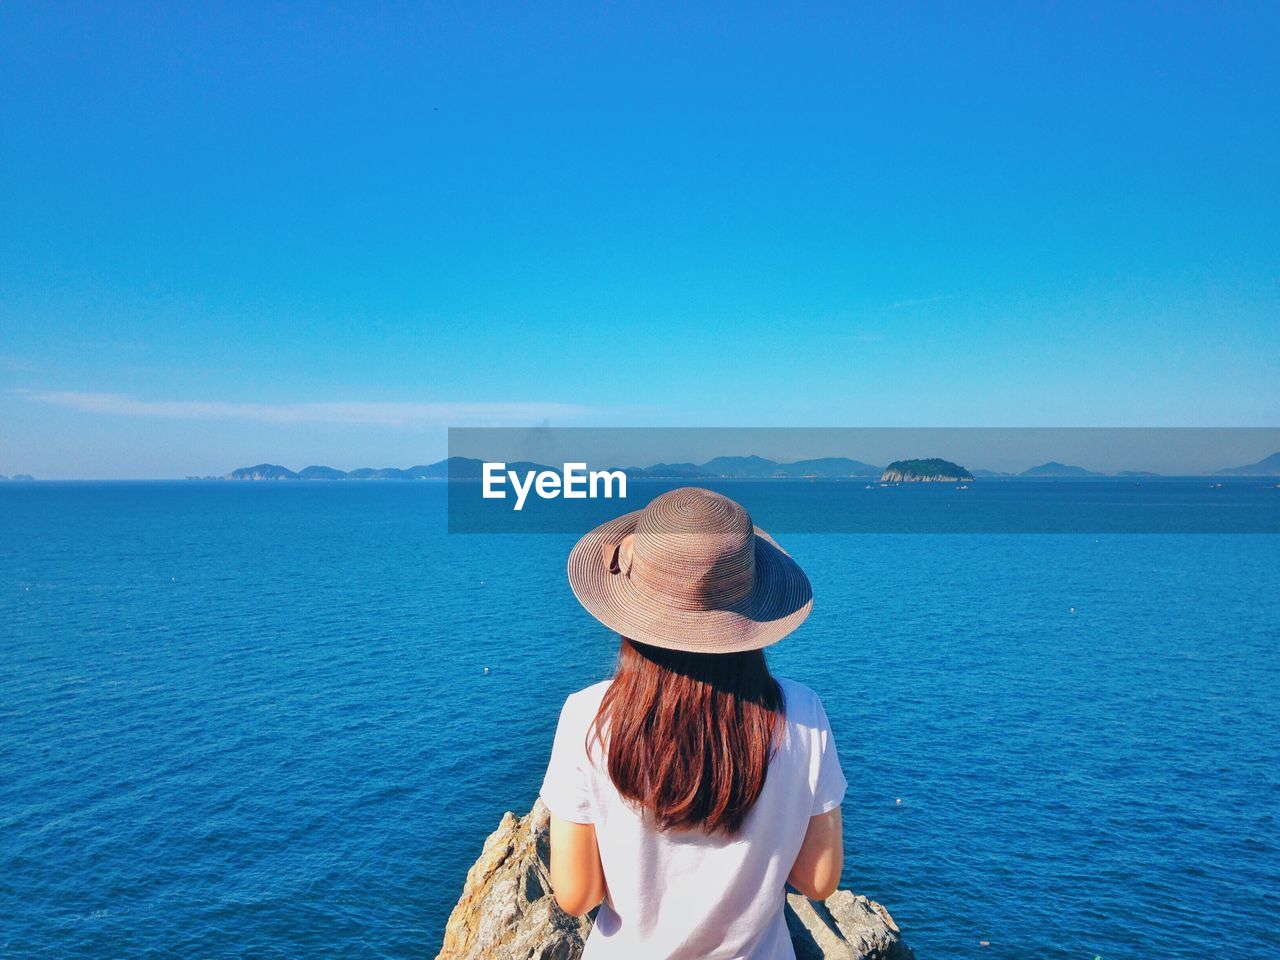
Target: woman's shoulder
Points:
(594, 692)
(583, 704)
(802, 705)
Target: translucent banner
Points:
(875, 480)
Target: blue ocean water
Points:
(253, 720)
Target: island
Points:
(442, 470)
(1055, 469)
(263, 471)
(1266, 467)
(931, 470)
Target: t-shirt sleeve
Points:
(828, 780)
(566, 788)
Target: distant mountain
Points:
(830, 467)
(1266, 467)
(379, 473)
(17, 476)
(433, 471)
(931, 470)
(263, 471)
(753, 467)
(1055, 469)
(1136, 473)
(469, 468)
(990, 473)
(667, 471)
(321, 473)
(453, 468)
(741, 467)
(456, 468)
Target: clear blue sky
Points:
(258, 232)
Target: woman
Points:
(689, 789)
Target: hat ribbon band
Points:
(618, 556)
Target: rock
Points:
(845, 926)
(931, 470)
(507, 912)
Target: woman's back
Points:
(687, 790)
(690, 893)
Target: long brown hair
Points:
(689, 736)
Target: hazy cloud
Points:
(351, 412)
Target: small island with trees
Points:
(932, 470)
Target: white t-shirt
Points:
(685, 894)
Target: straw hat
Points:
(690, 572)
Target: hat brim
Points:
(779, 601)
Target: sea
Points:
(278, 720)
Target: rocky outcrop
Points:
(263, 471)
(845, 926)
(507, 911)
(932, 470)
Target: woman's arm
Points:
(816, 873)
(577, 876)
